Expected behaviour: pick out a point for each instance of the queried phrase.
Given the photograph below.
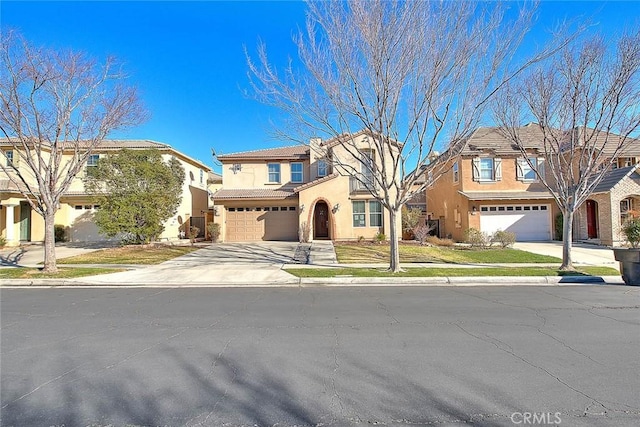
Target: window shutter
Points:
(520, 169)
(497, 169)
(476, 169)
(540, 164)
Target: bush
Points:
(558, 225)
(3, 241)
(214, 231)
(410, 219)
(436, 241)
(59, 233)
(380, 237)
(504, 238)
(631, 231)
(421, 233)
(193, 234)
(477, 239)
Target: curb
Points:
(339, 281)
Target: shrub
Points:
(193, 234)
(504, 238)
(59, 233)
(214, 231)
(436, 241)
(558, 225)
(380, 237)
(410, 218)
(631, 231)
(3, 241)
(477, 239)
(421, 233)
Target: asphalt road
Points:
(321, 356)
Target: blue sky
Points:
(188, 62)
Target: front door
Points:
(592, 219)
(321, 221)
(25, 222)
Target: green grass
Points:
(63, 273)
(451, 272)
(130, 255)
(357, 254)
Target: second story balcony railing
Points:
(358, 186)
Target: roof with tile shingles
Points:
(296, 152)
(255, 193)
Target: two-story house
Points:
(301, 192)
(18, 223)
(490, 186)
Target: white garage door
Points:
(528, 222)
(247, 224)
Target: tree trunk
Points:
(567, 240)
(49, 242)
(394, 263)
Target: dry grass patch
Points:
(145, 255)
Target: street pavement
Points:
(265, 264)
(395, 356)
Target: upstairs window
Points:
(92, 160)
(456, 172)
(297, 175)
(322, 167)
(367, 167)
(274, 173)
(375, 214)
(201, 176)
(525, 172)
(9, 155)
(487, 169)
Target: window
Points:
(375, 214)
(456, 172)
(359, 216)
(9, 155)
(92, 160)
(367, 167)
(297, 174)
(322, 167)
(525, 172)
(487, 169)
(274, 173)
(201, 176)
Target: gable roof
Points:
(294, 152)
(491, 139)
(315, 182)
(613, 177)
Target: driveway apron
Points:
(223, 263)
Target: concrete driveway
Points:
(582, 253)
(223, 263)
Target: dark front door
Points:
(592, 219)
(25, 222)
(321, 221)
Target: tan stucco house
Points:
(490, 186)
(18, 223)
(300, 192)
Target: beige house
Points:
(18, 223)
(300, 192)
(490, 186)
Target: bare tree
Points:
(414, 75)
(587, 104)
(55, 108)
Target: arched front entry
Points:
(592, 219)
(321, 220)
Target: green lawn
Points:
(356, 254)
(63, 273)
(130, 255)
(451, 272)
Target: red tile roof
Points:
(255, 193)
(295, 152)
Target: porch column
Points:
(9, 223)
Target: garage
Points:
(528, 222)
(250, 224)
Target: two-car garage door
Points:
(250, 224)
(528, 222)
